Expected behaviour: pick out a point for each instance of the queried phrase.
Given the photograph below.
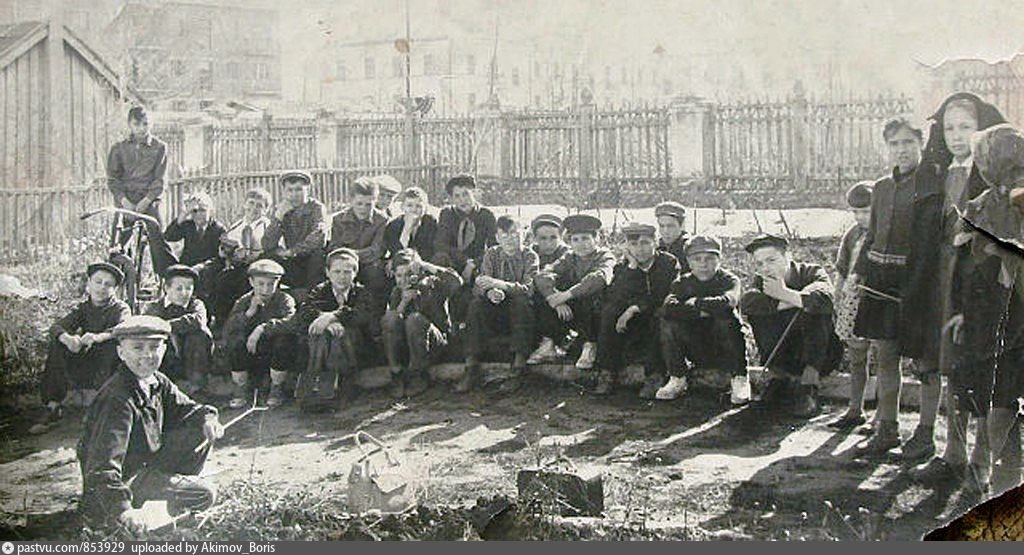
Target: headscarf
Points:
(936, 151)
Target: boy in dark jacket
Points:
(790, 312)
(548, 244)
(360, 227)
(700, 324)
(142, 436)
(340, 309)
(417, 322)
(572, 288)
(256, 334)
(81, 354)
(300, 222)
(197, 229)
(191, 339)
(465, 229)
(672, 230)
(501, 301)
(136, 167)
(222, 281)
(630, 314)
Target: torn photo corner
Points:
(1012, 245)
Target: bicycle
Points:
(127, 248)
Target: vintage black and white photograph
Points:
(511, 270)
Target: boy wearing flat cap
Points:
(141, 436)
(631, 311)
(389, 188)
(790, 312)
(256, 334)
(465, 229)
(299, 221)
(672, 229)
(847, 300)
(572, 288)
(340, 315)
(549, 246)
(191, 339)
(501, 302)
(417, 323)
(81, 354)
(700, 322)
(360, 227)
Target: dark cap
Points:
(546, 219)
(265, 267)
(181, 270)
(462, 180)
(637, 229)
(581, 223)
(296, 174)
(670, 208)
(142, 327)
(859, 196)
(702, 244)
(766, 240)
(342, 252)
(106, 267)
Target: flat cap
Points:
(265, 267)
(142, 327)
(581, 223)
(703, 244)
(670, 208)
(105, 267)
(546, 219)
(461, 180)
(341, 252)
(388, 183)
(293, 174)
(637, 229)
(766, 240)
(181, 270)
(859, 196)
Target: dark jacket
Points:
(366, 237)
(220, 286)
(422, 241)
(361, 309)
(198, 248)
(677, 249)
(135, 169)
(548, 259)
(888, 236)
(275, 313)
(719, 297)
(810, 280)
(645, 289)
(89, 318)
(301, 228)
(124, 429)
(479, 225)
(435, 290)
(519, 269)
(183, 319)
(920, 322)
(582, 276)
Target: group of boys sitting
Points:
(267, 297)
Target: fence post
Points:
(487, 153)
(326, 139)
(586, 118)
(799, 135)
(266, 144)
(688, 137)
(412, 158)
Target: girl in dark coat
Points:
(415, 228)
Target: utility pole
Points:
(408, 60)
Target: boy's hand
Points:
(254, 339)
(485, 282)
(336, 329)
(133, 521)
(72, 342)
(631, 260)
(564, 312)
(320, 324)
(956, 326)
(254, 306)
(467, 271)
(212, 428)
(127, 204)
(558, 298)
(88, 340)
(625, 317)
(495, 295)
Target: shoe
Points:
(469, 378)
(886, 437)
(545, 352)
(47, 421)
(415, 383)
(920, 447)
(651, 387)
(806, 404)
(847, 422)
(588, 356)
(938, 470)
(239, 391)
(675, 387)
(605, 381)
(739, 390)
(276, 397)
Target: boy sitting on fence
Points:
(81, 354)
(299, 222)
(342, 313)
(417, 323)
(501, 301)
(197, 229)
(630, 314)
(191, 339)
(255, 336)
(360, 227)
(572, 288)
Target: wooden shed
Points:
(61, 107)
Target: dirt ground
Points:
(696, 464)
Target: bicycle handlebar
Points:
(115, 210)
